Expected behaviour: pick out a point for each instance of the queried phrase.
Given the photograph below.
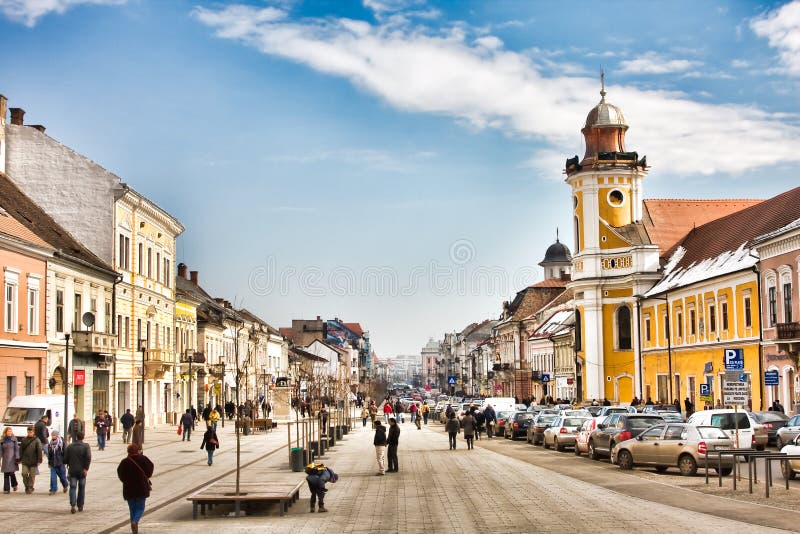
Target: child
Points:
(318, 476)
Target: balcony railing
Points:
(789, 330)
(94, 342)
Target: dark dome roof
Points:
(558, 252)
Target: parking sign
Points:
(734, 359)
(705, 390)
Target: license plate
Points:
(721, 447)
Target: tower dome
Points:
(557, 260)
(604, 130)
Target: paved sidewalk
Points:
(438, 490)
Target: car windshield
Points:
(729, 421)
(503, 415)
(21, 416)
(644, 422)
(545, 419)
(770, 416)
(573, 421)
(711, 432)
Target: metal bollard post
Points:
(706, 466)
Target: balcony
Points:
(789, 330)
(94, 343)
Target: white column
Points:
(594, 367)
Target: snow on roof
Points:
(553, 324)
(728, 262)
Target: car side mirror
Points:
(639, 437)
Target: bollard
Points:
(297, 455)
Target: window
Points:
(11, 307)
(712, 318)
(748, 314)
(647, 329)
(33, 311)
(59, 310)
(167, 273)
(140, 259)
(653, 433)
(107, 317)
(76, 318)
(674, 432)
(724, 312)
(138, 332)
(124, 252)
(773, 306)
(692, 325)
(577, 235)
(29, 386)
(787, 303)
(679, 321)
(11, 388)
(149, 262)
(158, 339)
(127, 332)
(119, 331)
(624, 328)
(578, 331)
(158, 265)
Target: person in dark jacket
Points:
(490, 419)
(127, 425)
(109, 424)
(30, 456)
(318, 476)
(40, 430)
(74, 428)
(393, 441)
(100, 430)
(380, 447)
(451, 426)
(10, 459)
(186, 423)
(135, 471)
(78, 458)
(210, 443)
(55, 459)
(138, 433)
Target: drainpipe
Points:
(639, 343)
(760, 339)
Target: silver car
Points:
(788, 432)
(564, 431)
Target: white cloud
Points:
(654, 63)
(740, 63)
(490, 41)
(28, 12)
(781, 27)
(440, 72)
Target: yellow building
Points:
(640, 266)
(145, 307)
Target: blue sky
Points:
(380, 160)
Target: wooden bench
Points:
(285, 494)
(262, 424)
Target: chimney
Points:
(193, 277)
(37, 127)
(17, 115)
(3, 112)
(319, 318)
(182, 270)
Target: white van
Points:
(501, 404)
(727, 420)
(25, 410)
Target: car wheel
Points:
(779, 443)
(788, 472)
(559, 447)
(593, 452)
(577, 450)
(687, 465)
(725, 471)
(661, 468)
(625, 460)
(760, 447)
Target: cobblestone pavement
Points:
(438, 490)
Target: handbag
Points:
(180, 429)
(147, 478)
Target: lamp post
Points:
(189, 357)
(222, 387)
(66, 384)
(143, 348)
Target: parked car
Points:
(500, 427)
(518, 424)
(790, 468)
(680, 445)
(582, 436)
(772, 422)
(608, 410)
(594, 410)
(563, 432)
(670, 412)
(539, 425)
(729, 420)
(574, 413)
(788, 432)
(616, 428)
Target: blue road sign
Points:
(734, 359)
(770, 378)
(451, 380)
(705, 390)
(545, 378)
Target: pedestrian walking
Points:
(74, 428)
(210, 443)
(206, 415)
(213, 419)
(186, 423)
(78, 457)
(364, 415)
(55, 460)
(425, 411)
(414, 411)
(30, 457)
(490, 419)
(418, 422)
(317, 476)
(100, 430)
(137, 434)
(127, 421)
(109, 425)
(40, 430)
(373, 412)
(687, 403)
(451, 427)
(323, 419)
(380, 443)
(134, 471)
(480, 419)
(468, 427)
(387, 411)
(10, 460)
(393, 441)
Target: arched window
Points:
(578, 333)
(577, 235)
(624, 328)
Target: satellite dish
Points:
(88, 319)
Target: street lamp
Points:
(143, 347)
(189, 357)
(66, 384)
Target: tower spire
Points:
(602, 85)
(556, 234)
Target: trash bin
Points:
(314, 448)
(345, 429)
(339, 432)
(296, 454)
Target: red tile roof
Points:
(286, 331)
(667, 221)
(12, 227)
(730, 232)
(551, 282)
(354, 328)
